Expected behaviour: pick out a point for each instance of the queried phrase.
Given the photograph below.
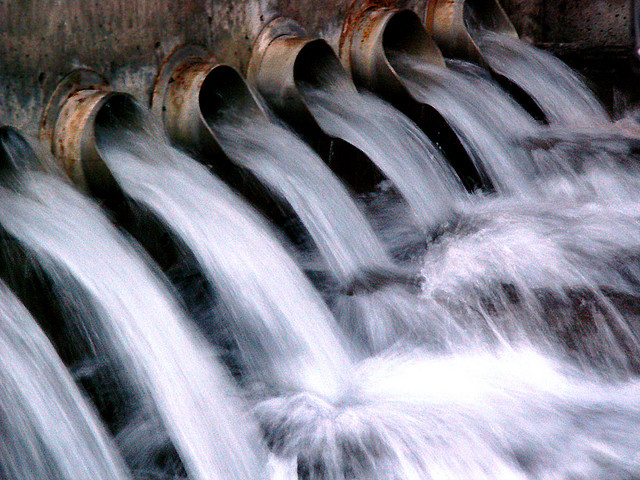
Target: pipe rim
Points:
(77, 80)
(180, 58)
(275, 29)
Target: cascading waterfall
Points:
(414, 165)
(49, 431)
(130, 311)
(282, 161)
(558, 90)
(527, 312)
(286, 335)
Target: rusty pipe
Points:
(283, 60)
(452, 23)
(283, 57)
(82, 102)
(191, 91)
(370, 38)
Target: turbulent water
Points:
(394, 143)
(288, 166)
(489, 123)
(48, 430)
(557, 89)
(510, 414)
(286, 335)
(514, 354)
(130, 311)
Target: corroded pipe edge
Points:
(445, 21)
(282, 57)
(69, 127)
(368, 38)
(191, 87)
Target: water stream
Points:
(134, 315)
(286, 336)
(558, 90)
(394, 143)
(49, 431)
(489, 122)
(288, 166)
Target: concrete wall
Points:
(126, 40)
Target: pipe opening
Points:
(481, 15)
(16, 155)
(317, 66)
(224, 91)
(404, 34)
(118, 112)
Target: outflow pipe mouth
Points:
(81, 108)
(370, 38)
(193, 91)
(284, 59)
(16, 153)
(452, 24)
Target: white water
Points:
(562, 95)
(294, 171)
(48, 431)
(512, 414)
(132, 312)
(395, 144)
(286, 335)
(489, 123)
(531, 371)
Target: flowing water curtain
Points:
(49, 430)
(177, 375)
(285, 336)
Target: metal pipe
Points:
(82, 101)
(451, 23)
(283, 59)
(191, 90)
(369, 38)
(371, 35)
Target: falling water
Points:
(527, 310)
(289, 167)
(555, 87)
(477, 415)
(489, 123)
(394, 143)
(49, 431)
(136, 317)
(378, 304)
(286, 335)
